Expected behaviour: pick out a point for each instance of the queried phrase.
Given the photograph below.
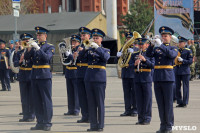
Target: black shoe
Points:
(100, 130)
(3, 90)
(184, 106)
(138, 123)
(68, 113)
(145, 123)
(75, 114)
(20, 113)
(26, 120)
(134, 115)
(47, 128)
(83, 121)
(37, 128)
(125, 114)
(92, 129)
(179, 105)
(9, 89)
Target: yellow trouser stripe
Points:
(71, 68)
(25, 69)
(82, 64)
(143, 70)
(96, 66)
(41, 66)
(163, 67)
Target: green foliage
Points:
(141, 14)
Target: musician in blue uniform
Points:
(164, 77)
(11, 73)
(24, 77)
(41, 76)
(81, 69)
(183, 73)
(143, 81)
(128, 77)
(95, 79)
(71, 79)
(4, 66)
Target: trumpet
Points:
(138, 66)
(27, 44)
(87, 43)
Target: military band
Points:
(150, 59)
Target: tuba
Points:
(124, 59)
(63, 47)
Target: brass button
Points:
(37, 61)
(158, 62)
(159, 57)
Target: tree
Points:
(27, 7)
(141, 14)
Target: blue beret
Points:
(11, 42)
(83, 30)
(129, 34)
(141, 41)
(166, 30)
(40, 30)
(97, 32)
(2, 41)
(182, 39)
(16, 40)
(25, 36)
(75, 38)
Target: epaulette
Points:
(136, 52)
(49, 43)
(7, 48)
(187, 48)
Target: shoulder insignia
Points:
(136, 52)
(175, 49)
(7, 48)
(49, 43)
(187, 48)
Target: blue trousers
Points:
(72, 96)
(185, 80)
(164, 97)
(5, 79)
(26, 93)
(144, 101)
(83, 98)
(129, 95)
(42, 93)
(96, 97)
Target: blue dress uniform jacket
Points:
(97, 57)
(145, 68)
(41, 82)
(41, 61)
(184, 68)
(82, 65)
(95, 82)
(164, 60)
(183, 74)
(24, 68)
(26, 91)
(164, 78)
(4, 76)
(143, 86)
(72, 90)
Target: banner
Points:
(176, 14)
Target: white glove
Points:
(87, 47)
(157, 37)
(157, 42)
(180, 59)
(67, 53)
(94, 45)
(119, 54)
(35, 45)
(130, 50)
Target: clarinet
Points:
(138, 66)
